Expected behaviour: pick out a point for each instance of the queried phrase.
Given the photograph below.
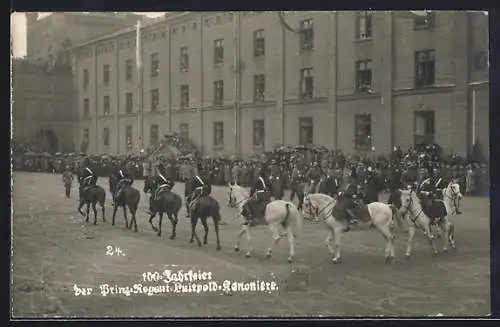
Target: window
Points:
(128, 137)
(306, 131)
(306, 83)
(364, 25)
(259, 86)
(424, 68)
(155, 65)
(129, 105)
(128, 69)
(85, 78)
(105, 136)
(363, 75)
(105, 74)
(86, 108)
(427, 21)
(306, 35)
(363, 132)
(184, 133)
(218, 133)
(106, 107)
(184, 96)
(85, 135)
(184, 64)
(155, 99)
(153, 135)
(218, 51)
(259, 49)
(259, 133)
(424, 127)
(218, 92)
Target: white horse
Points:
(411, 208)
(321, 208)
(278, 212)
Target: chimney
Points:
(31, 18)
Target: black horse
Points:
(92, 195)
(201, 209)
(129, 197)
(167, 202)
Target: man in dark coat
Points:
(254, 208)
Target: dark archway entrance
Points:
(46, 140)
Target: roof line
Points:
(127, 30)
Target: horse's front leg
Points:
(338, 231)
(291, 241)
(88, 213)
(124, 208)
(216, 228)
(430, 237)
(328, 241)
(411, 236)
(276, 239)
(194, 222)
(249, 240)
(173, 221)
(445, 226)
(115, 208)
(160, 224)
(151, 221)
(240, 234)
(94, 209)
(80, 208)
(133, 219)
(205, 227)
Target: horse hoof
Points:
(191, 241)
(112, 224)
(172, 237)
(199, 245)
(158, 234)
(436, 253)
(236, 249)
(289, 260)
(336, 260)
(389, 260)
(219, 248)
(248, 255)
(445, 250)
(407, 256)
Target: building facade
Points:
(240, 83)
(48, 37)
(42, 108)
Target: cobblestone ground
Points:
(53, 250)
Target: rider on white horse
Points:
(312, 177)
(254, 208)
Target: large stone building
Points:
(43, 109)
(48, 37)
(240, 83)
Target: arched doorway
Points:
(46, 140)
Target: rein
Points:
(408, 210)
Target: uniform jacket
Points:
(260, 184)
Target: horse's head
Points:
(235, 195)
(315, 205)
(453, 191)
(406, 198)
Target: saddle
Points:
(254, 211)
(434, 209)
(358, 209)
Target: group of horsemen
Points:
(357, 191)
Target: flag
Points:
(138, 45)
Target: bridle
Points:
(233, 201)
(409, 208)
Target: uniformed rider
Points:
(347, 198)
(200, 185)
(87, 177)
(123, 178)
(257, 195)
(432, 187)
(312, 177)
(161, 182)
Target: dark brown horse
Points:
(201, 209)
(129, 197)
(167, 202)
(91, 195)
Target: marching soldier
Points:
(67, 178)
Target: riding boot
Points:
(457, 206)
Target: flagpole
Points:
(139, 85)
